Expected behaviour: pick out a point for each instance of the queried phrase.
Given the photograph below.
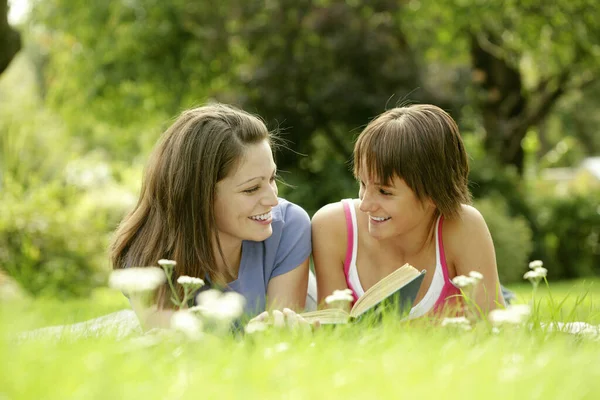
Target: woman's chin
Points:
(377, 234)
(264, 234)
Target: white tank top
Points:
(437, 284)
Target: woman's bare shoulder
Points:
(468, 218)
(331, 215)
(329, 228)
(467, 228)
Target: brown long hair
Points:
(174, 217)
(420, 144)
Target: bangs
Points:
(421, 145)
(384, 151)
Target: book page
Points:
(384, 288)
(327, 316)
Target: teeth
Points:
(262, 217)
(380, 219)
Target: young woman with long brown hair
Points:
(209, 202)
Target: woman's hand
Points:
(285, 318)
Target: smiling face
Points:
(392, 209)
(244, 199)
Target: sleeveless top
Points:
(440, 292)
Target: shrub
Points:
(569, 234)
(54, 238)
(512, 238)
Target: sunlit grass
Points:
(48, 311)
(577, 300)
(382, 361)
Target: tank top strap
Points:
(449, 291)
(351, 248)
(440, 254)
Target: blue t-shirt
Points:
(284, 250)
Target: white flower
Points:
(137, 279)
(165, 263)
(543, 272)
(221, 306)
(189, 281)
(464, 281)
(458, 322)
(188, 323)
(515, 314)
(340, 295)
(476, 275)
(535, 274)
(168, 266)
(536, 264)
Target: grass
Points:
(391, 359)
(577, 300)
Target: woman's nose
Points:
(366, 202)
(270, 198)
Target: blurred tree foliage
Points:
(57, 207)
(512, 238)
(569, 231)
(520, 77)
(10, 38)
(577, 114)
(316, 71)
(524, 56)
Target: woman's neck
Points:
(229, 264)
(413, 242)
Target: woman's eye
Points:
(383, 192)
(274, 178)
(252, 190)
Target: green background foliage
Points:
(96, 83)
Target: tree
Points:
(10, 39)
(323, 70)
(510, 109)
(524, 57)
(132, 66)
(318, 70)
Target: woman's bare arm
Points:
(329, 242)
(470, 247)
(289, 290)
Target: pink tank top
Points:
(441, 291)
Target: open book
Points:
(398, 290)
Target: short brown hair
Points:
(174, 217)
(420, 144)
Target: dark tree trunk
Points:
(501, 102)
(10, 39)
(508, 112)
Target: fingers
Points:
(292, 319)
(262, 317)
(278, 319)
(285, 318)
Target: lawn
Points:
(387, 360)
